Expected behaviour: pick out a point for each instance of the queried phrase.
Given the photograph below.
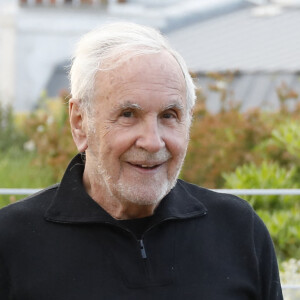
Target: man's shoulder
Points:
(225, 210)
(214, 200)
(29, 206)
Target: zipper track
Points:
(142, 249)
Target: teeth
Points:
(145, 166)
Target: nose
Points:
(150, 136)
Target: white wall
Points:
(7, 57)
(33, 40)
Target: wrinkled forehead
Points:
(140, 68)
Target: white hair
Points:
(109, 46)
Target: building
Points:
(258, 41)
(260, 47)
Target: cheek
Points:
(118, 142)
(177, 149)
(176, 142)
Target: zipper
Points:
(144, 258)
(142, 249)
(140, 242)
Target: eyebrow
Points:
(130, 105)
(127, 105)
(174, 105)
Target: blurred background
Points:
(258, 41)
(245, 59)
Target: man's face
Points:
(138, 130)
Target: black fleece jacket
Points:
(59, 244)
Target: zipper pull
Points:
(142, 249)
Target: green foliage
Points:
(265, 176)
(35, 148)
(287, 136)
(284, 228)
(50, 134)
(17, 170)
(281, 213)
(222, 142)
(9, 133)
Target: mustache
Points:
(143, 155)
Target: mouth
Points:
(146, 166)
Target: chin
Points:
(148, 194)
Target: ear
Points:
(78, 122)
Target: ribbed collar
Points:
(71, 203)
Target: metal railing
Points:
(260, 191)
(244, 192)
(18, 191)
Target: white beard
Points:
(140, 191)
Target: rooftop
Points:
(251, 39)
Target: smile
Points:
(146, 166)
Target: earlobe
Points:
(78, 125)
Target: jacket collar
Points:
(71, 203)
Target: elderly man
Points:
(121, 225)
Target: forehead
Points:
(152, 73)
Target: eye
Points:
(169, 115)
(127, 114)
